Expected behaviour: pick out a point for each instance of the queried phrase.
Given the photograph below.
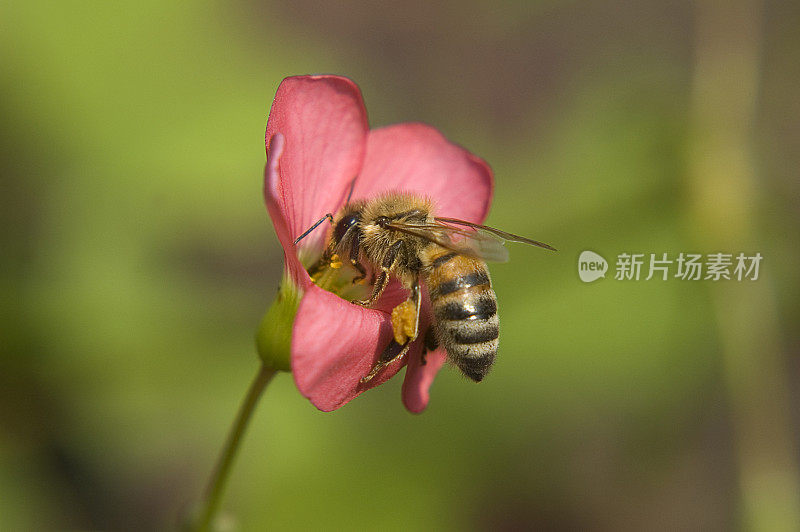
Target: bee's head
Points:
(346, 229)
(344, 225)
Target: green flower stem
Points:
(216, 485)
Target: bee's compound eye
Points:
(344, 224)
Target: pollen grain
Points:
(404, 318)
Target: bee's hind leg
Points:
(392, 352)
(405, 316)
(405, 326)
(431, 344)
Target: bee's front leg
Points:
(362, 272)
(383, 277)
(377, 290)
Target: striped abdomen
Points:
(465, 311)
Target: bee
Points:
(397, 236)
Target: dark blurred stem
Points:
(723, 181)
(219, 478)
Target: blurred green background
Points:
(138, 259)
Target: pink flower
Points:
(318, 140)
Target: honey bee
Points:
(398, 236)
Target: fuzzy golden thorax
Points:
(374, 239)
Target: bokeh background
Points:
(138, 259)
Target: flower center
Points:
(335, 276)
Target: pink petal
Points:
(274, 201)
(324, 123)
(418, 380)
(334, 344)
(417, 158)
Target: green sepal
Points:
(274, 335)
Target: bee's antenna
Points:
(301, 237)
(350, 194)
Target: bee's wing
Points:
(472, 243)
(496, 232)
